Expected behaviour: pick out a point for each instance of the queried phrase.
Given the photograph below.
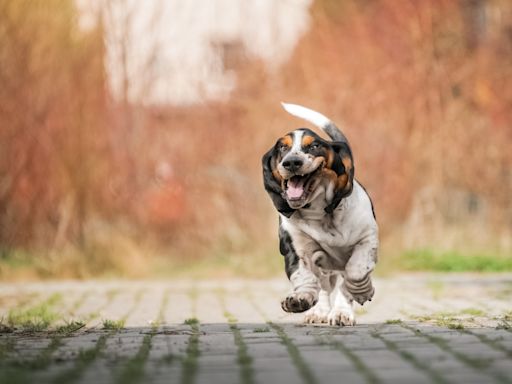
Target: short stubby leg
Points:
(357, 284)
(360, 291)
(318, 314)
(341, 312)
(305, 289)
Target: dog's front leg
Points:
(357, 283)
(305, 288)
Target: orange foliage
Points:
(421, 88)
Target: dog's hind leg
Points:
(342, 312)
(318, 314)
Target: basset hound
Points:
(328, 233)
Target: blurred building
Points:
(184, 52)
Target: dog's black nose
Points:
(292, 163)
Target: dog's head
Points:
(299, 163)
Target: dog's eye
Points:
(314, 146)
(283, 148)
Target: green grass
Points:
(243, 358)
(134, 368)
(261, 330)
(190, 361)
(84, 359)
(473, 312)
(70, 327)
(114, 325)
(452, 320)
(453, 261)
(358, 363)
(294, 352)
(394, 321)
(37, 317)
(417, 363)
(191, 321)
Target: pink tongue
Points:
(295, 189)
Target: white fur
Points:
(342, 312)
(319, 313)
(297, 142)
(342, 245)
(307, 114)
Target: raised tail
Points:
(317, 119)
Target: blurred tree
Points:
(52, 111)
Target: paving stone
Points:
(275, 346)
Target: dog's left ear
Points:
(343, 166)
(272, 181)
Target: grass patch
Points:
(261, 330)
(191, 321)
(473, 312)
(305, 372)
(444, 319)
(243, 358)
(452, 325)
(189, 362)
(476, 363)
(453, 261)
(36, 318)
(114, 325)
(358, 363)
(417, 363)
(84, 359)
(70, 327)
(394, 321)
(6, 347)
(134, 368)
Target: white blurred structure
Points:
(181, 51)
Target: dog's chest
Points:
(324, 229)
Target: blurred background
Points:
(131, 132)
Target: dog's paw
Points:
(298, 302)
(341, 316)
(316, 315)
(363, 297)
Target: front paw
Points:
(341, 316)
(317, 315)
(298, 302)
(363, 297)
(360, 291)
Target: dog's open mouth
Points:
(298, 187)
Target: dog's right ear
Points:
(273, 181)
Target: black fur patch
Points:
(272, 187)
(342, 150)
(291, 260)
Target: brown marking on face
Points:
(287, 140)
(347, 162)
(329, 158)
(330, 174)
(275, 172)
(342, 181)
(307, 140)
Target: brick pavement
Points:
(420, 328)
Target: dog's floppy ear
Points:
(343, 166)
(272, 181)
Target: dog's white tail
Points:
(317, 119)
